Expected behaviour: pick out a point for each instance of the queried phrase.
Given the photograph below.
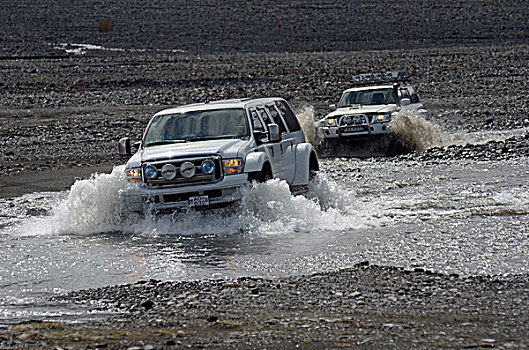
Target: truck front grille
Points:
(198, 178)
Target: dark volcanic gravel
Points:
(71, 112)
(365, 306)
(38, 28)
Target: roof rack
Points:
(379, 78)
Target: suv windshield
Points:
(197, 126)
(367, 97)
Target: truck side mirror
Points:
(124, 149)
(273, 133)
(332, 107)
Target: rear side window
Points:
(403, 93)
(288, 115)
(277, 118)
(256, 121)
(264, 116)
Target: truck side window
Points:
(256, 121)
(264, 116)
(288, 115)
(277, 118)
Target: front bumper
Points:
(141, 198)
(336, 132)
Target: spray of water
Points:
(409, 129)
(306, 118)
(93, 205)
(416, 133)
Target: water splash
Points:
(93, 205)
(416, 133)
(306, 118)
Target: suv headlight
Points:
(133, 174)
(233, 166)
(330, 122)
(383, 117)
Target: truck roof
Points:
(220, 104)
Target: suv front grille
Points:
(179, 179)
(354, 119)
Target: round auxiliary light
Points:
(208, 167)
(169, 172)
(347, 119)
(150, 172)
(187, 169)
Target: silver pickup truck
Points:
(200, 155)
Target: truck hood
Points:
(227, 148)
(362, 110)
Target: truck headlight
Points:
(133, 174)
(150, 172)
(208, 167)
(233, 166)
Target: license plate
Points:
(354, 129)
(198, 201)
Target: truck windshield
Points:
(367, 97)
(197, 126)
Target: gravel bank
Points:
(365, 307)
(69, 113)
(36, 29)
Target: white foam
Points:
(93, 205)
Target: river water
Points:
(458, 217)
(464, 217)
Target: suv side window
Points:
(414, 98)
(403, 93)
(288, 115)
(277, 118)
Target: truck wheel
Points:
(314, 167)
(261, 176)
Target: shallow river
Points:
(464, 217)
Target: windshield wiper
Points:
(165, 142)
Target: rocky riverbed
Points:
(69, 92)
(361, 307)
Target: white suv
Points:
(366, 109)
(200, 155)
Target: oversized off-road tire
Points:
(314, 166)
(261, 176)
